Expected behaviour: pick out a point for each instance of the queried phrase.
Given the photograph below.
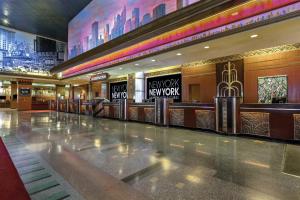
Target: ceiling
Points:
(47, 18)
(277, 34)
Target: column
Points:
(13, 94)
(139, 87)
(130, 86)
(104, 90)
(24, 99)
(90, 91)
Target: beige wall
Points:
(205, 77)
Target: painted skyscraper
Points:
(146, 19)
(106, 33)
(113, 19)
(159, 11)
(135, 22)
(95, 33)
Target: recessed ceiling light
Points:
(206, 47)
(120, 68)
(179, 54)
(136, 64)
(254, 36)
(153, 60)
(235, 13)
(5, 21)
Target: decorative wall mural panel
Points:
(205, 119)
(101, 21)
(230, 78)
(116, 111)
(176, 117)
(273, 89)
(26, 53)
(133, 113)
(297, 126)
(106, 111)
(149, 115)
(255, 123)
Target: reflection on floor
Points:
(118, 160)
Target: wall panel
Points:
(283, 63)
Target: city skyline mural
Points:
(249, 13)
(101, 21)
(25, 53)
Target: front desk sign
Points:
(99, 77)
(165, 86)
(118, 90)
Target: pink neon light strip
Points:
(249, 9)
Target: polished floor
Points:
(108, 159)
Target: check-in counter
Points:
(73, 106)
(192, 115)
(62, 105)
(86, 108)
(38, 105)
(279, 121)
(111, 110)
(141, 112)
(276, 121)
(4, 104)
(52, 105)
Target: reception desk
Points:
(180, 114)
(141, 112)
(111, 110)
(192, 115)
(279, 121)
(39, 105)
(276, 121)
(4, 104)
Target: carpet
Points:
(11, 185)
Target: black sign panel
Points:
(165, 86)
(118, 90)
(24, 92)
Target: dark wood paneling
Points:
(284, 63)
(205, 76)
(141, 114)
(111, 112)
(281, 118)
(282, 126)
(189, 118)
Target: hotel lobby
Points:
(166, 99)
